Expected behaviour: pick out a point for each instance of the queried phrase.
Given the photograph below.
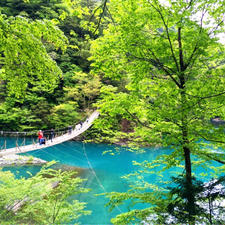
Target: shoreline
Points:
(18, 160)
(14, 160)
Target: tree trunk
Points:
(184, 124)
(187, 158)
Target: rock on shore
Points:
(17, 160)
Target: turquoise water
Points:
(104, 172)
(104, 175)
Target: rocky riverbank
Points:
(18, 160)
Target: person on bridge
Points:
(40, 136)
(70, 129)
(52, 134)
(42, 140)
(77, 127)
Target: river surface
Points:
(104, 172)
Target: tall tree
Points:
(174, 65)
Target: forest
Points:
(154, 69)
(54, 89)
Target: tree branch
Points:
(137, 119)
(168, 35)
(205, 97)
(189, 5)
(107, 9)
(197, 43)
(160, 63)
(215, 159)
(211, 140)
(156, 63)
(182, 67)
(218, 24)
(103, 6)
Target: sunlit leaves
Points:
(25, 59)
(173, 64)
(64, 114)
(43, 198)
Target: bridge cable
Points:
(98, 180)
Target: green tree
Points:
(170, 55)
(41, 199)
(24, 59)
(64, 114)
(29, 75)
(86, 88)
(34, 9)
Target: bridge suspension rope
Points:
(32, 133)
(94, 173)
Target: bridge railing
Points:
(59, 134)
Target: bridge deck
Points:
(57, 140)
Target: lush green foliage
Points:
(34, 79)
(162, 69)
(24, 58)
(170, 56)
(40, 199)
(43, 50)
(34, 9)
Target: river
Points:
(104, 172)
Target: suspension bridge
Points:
(74, 132)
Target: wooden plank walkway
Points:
(57, 140)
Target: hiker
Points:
(77, 127)
(42, 141)
(40, 136)
(70, 129)
(52, 134)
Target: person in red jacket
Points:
(40, 136)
